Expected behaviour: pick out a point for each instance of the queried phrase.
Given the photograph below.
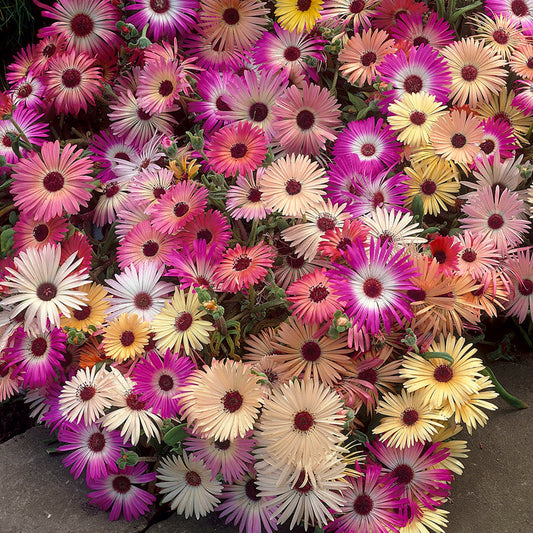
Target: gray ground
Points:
(493, 495)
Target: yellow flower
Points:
(92, 313)
(298, 15)
(125, 337)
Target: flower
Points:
(43, 288)
(418, 30)
(187, 484)
(445, 250)
(298, 15)
(180, 324)
(499, 32)
(521, 62)
(478, 254)
(125, 337)
(37, 233)
(245, 198)
(520, 265)
(222, 401)
(92, 313)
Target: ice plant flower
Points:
(298, 15)
(125, 337)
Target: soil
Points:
(14, 418)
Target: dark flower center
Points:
(525, 287)
(343, 244)
(440, 256)
(373, 288)
(303, 5)
(221, 105)
(81, 25)
(71, 78)
(205, 235)
(46, 291)
(403, 474)
(166, 87)
(122, 155)
(142, 300)
(6, 141)
(293, 187)
(318, 293)
(443, 373)
(251, 490)
(181, 209)
(232, 401)
(428, 187)
(258, 112)
(529, 62)
(417, 118)
(368, 58)
(159, 192)
(295, 261)
(111, 190)
(160, 6)
(193, 479)
(24, 90)
(357, 6)
(143, 115)
(305, 119)
(83, 313)
(311, 351)
(86, 393)
(121, 484)
(53, 181)
(458, 140)
(368, 149)
(469, 255)
(150, 248)
(40, 232)
(134, 402)
(501, 36)
(39, 346)
(369, 375)
(49, 50)
(254, 195)
(292, 53)
(300, 486)
(519, 8)
(412, 84)
(96, 442)
(488, 146)
(503, 116)
(417, 295)
(166, 382)
(410, 417)
(222, 444)
(241, 263)
(325, 223)
(363, 504)
(469, 73)
(231, 16)
(417, 41)
(303, 421)
(183, 321)
(495, 221)
(127, 338)
(238, 150)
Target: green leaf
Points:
(13, 217)
(356, 101)
(463, 11)
(6, 240)
(437, 355)
(417, 207)
(176, 435)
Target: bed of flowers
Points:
(250, 250)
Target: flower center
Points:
(303, 5)
(428, 187)
(165, 382)
(325, 223)
(469, 73)
(83, 313)
(231, 16)
(86, 393)
(525, 287)
(254, 195)
(205, 235)
(241, 263)
(24, 90)
(519, 8)
(49, 50)
(305, 119)
(159, 192)
(222, 444)
(71, 78)
(368, 149)
(343, 244)
(183, 321)
(142, 301)
(6, 141)
(443, 373)
(150, 248)
(363, 504)
(221, 105)
(232, 401)
(293, 187)
(300, 486)
(372, 288)
(458, 140)
(295, 261)
(311, 351)
(357, 6)
(501, 36)
(495, 221)
(122, 155)
(193, 479)
(303, 421)
(166, 87)
(127, 338)
(318, 293)
(251, 490)
(529, 62)
(53, 181)
(121, 484)
(96, 442)
(488, 146)
(417, 295)
(368, 58)
(417, 118)
(181, 209)
(238, 150)
(404, 474)
(81, 25)
(410, 417)
(111, 190)
(40, 232)
(417, 41)
(469, 255)
(46, 291)
(503, 116)
(292, 53)
(134, 403)
(412, 84)
(143, 115)
(440, 256)
(39, 346)
(258, 112)
(369, 375)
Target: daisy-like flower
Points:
(222, 401)
(428, 519)
(164, 18)
(42, 288)
(92, 312)
(371, 503)
(301, 424)
(371, 142)
(478, 254)
(524, 96)
(390, 10)
(413, 116)
(118, 490)
(457, 136)
(125, 337)
(187, 484)
(132, 413)
(180, 324)
(10, 383)
(444, 250)
(498, 214)
(85, 396)
(233, 24)
(86, 25)
(31, 233)
(355, 12)
(434, 184)
(151, 185)
(335, 242)
(53, 181)
(420, 30)
(160, 381)
(72, 80)
(29, 92)
(374, 284)
(300, 352)
(238, 147)
(444, 383)
(520, 264)
(305, 119)
(520, 11)
(311, 298)
(499, 32)
(299, 15)
(36, 355)
(294, 267)
(232, 458)
(362, 54)
(241, 267)
(293, 184)
(477, 71)
(245, 198)
(407, 418)
(521, 62)
(499, 141)
(91, 447)
(179, 205)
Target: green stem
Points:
(333, 90)
(21, 133)
(513, 401)
(251, 237)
